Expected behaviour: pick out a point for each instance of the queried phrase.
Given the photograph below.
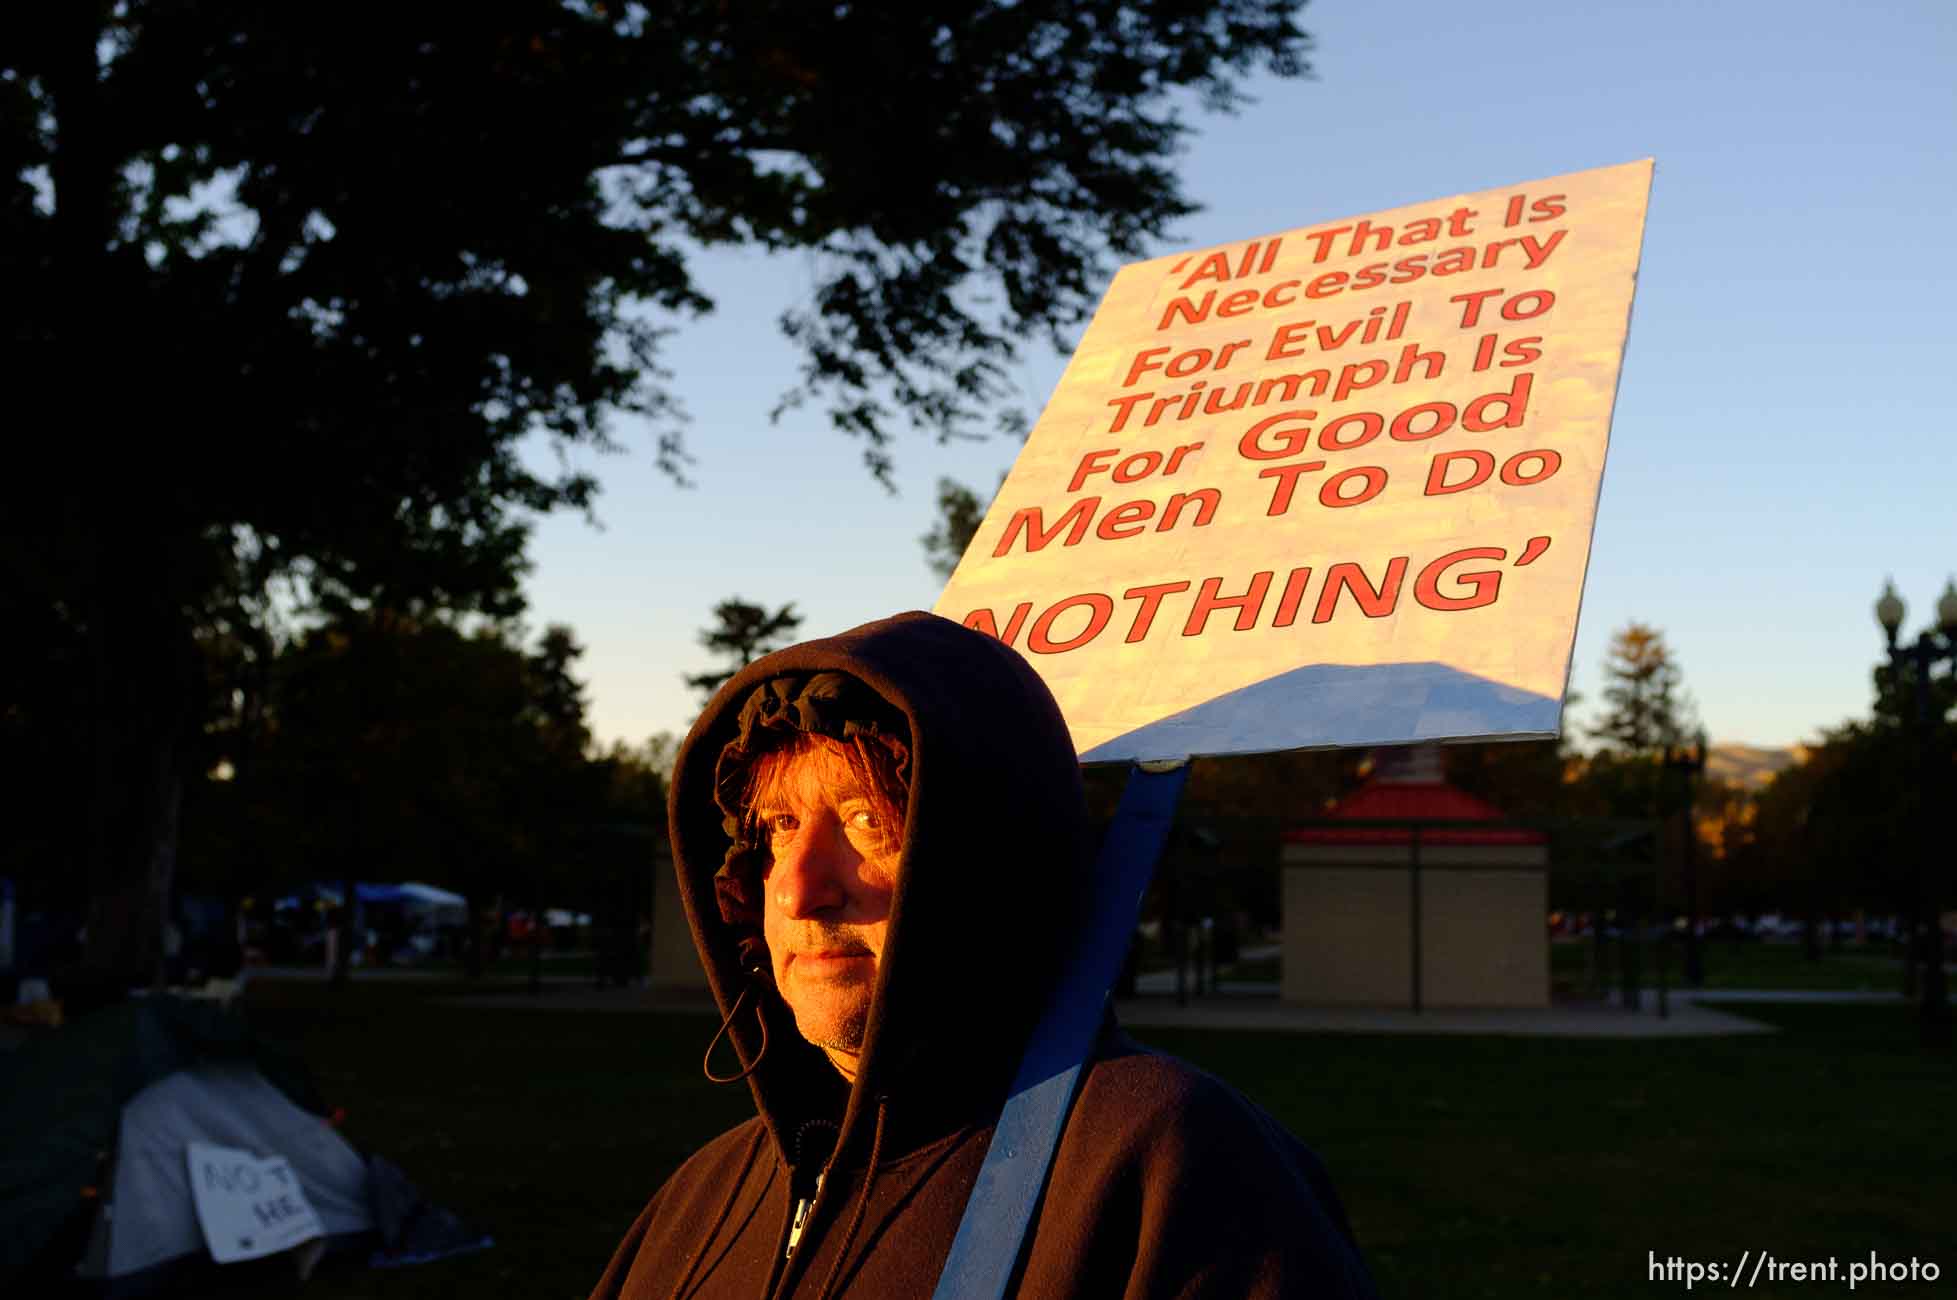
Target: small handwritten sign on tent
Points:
(1333, 486)
(248, 1206)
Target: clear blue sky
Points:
(1786, 430)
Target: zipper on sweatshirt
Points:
(814, 1142)
(800, 1217)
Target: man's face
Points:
(828, 893)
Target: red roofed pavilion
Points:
(1413, 801)
(1448, 915)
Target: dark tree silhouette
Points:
(287, 286)
(398, 746)
(743, 633)
(1643, 691)
(960, 513)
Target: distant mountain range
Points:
(1750, 766)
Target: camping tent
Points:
(153, 1221)
(94, 1133)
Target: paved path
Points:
(1795, 995)
(1579, 1020)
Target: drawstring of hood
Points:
(726, 1208)
(753, 960)
(706, 1062)
(862, 1204)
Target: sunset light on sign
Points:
(1333, 486)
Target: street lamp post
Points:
(1916, 659)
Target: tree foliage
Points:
(740, 634)
(1646, 709)
(1908, 693)
(291, 283)
(960, 513)
(1837, 829)
(930, 151)
(399, 747)
(1524, 778)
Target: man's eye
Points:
(781, 825)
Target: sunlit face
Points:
(827, 894)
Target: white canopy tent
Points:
(436, 905)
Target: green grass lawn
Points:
(1263, 969)
(1754, 965)
(1728, 966)
(518, 966)
(1470, 1166)
(1496, 1167)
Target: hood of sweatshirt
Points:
(989, 885)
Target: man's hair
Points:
(876, 761)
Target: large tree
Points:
(289, 283)
(395, 745)
(960, 513)
(1643, 767)
(1833, 830)
(1644, 694)
(742, 632)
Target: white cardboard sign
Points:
(1333, 486)
(248, 1206)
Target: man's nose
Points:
(807, 879)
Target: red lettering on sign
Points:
(1028, 519)
(1512, 473)
(1374, 602)
(1100, 610)
(1332, 492)
(1287, 482)
(1478, 418)
(981, 620)
(1151, 598)
(1206, 499)
(1208, 601)
(1486, 584)
(1294, 591)
(1443, 465)
(1125, 520)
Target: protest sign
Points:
(1333, 486)
(248, 1206)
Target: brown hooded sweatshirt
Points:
(1167, 1182)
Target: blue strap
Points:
(985, 1254)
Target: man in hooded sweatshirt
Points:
(882, 849)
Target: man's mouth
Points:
(818, 961)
